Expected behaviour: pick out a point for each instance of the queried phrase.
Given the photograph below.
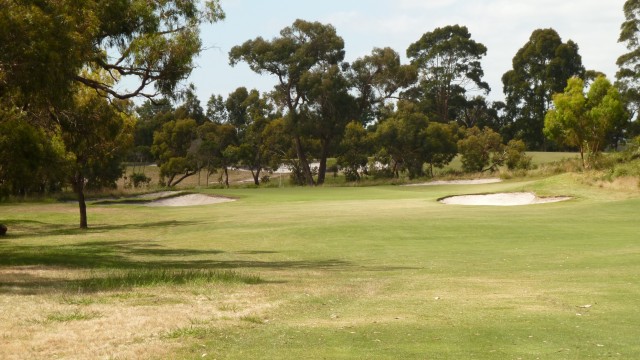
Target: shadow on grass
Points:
(28, 228)
(26, 269)
(23, 283)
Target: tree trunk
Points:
(78, 187)
(304, 163)
(186, 175)
(256, 176)
(322, 170)
(226, 177)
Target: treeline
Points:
(377, 116)
(65, 122)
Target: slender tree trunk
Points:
(304, 163)
(322, 170)
(78, 187)
(226, 177)
(186, 175)
(256, 176)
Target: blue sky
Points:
(504, 26)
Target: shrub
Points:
(139, 179)
(351, 174)
(515, 157)
(477, 149)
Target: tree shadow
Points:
(29, 228)
(17, 261)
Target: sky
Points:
(503, 26)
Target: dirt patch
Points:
(190, 200)
(502, 199)
(459, 182)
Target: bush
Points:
(515, 157)
(351, 174)
(477, 148)
(297, 174)
(139, 180)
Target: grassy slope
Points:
(379, 272)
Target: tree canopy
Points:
(541, 68)
(628, 75)
(302, 49)
(584, 120)
(448, 63)
(44, 45)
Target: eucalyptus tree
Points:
(301, 49)
(97, 134)
(448, 63)
(400, 139)
(211, 148)
(480, 148)
(584, 120)
(250, 113)
(541, 68)
(31, 161)
(330, 108)
(354, 150)
(174, 147)
(190, 106)
(376, 78)
(150, 43)
(628, 75)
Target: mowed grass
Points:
(328, 273)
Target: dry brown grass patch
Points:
(51, 322)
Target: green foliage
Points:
(298, 58)
(250, 113)
(541, 68)
(297, 176)
(628, 75)
(354, 150)
(30, 160)
(441, 146)
(584, 121)
(377, 78)
(515, 156)
(217, 147)
(403, 138)
(173, 147)
(153, 42)
(479, 149)
(448, 60)
(138, 180)
(97, 135)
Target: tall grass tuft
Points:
(156, 277)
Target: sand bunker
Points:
(459, 182)
(502, 199)
(158, 195)
(189, 200)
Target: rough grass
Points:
(377, 273)
(114, 280)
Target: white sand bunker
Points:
(459, 182)
(158, 195)
(502, 199)
(190, 200)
